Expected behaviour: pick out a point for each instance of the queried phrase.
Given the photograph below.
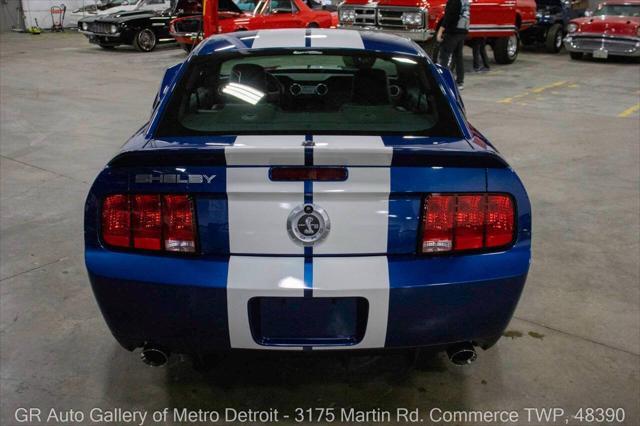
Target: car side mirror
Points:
(167, 81)
(450, 85)
(588, 13)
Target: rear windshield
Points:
(308, 92)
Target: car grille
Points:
(366, 16)
(100, 27)
(382, 17)
(390, 18)
(612, 45)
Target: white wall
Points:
(40, 10)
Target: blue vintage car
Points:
(307, 190)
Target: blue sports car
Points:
(307, 190)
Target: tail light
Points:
(460, 222)
(116, 221)
(149, 222)
(177, 217)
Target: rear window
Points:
(308, 92)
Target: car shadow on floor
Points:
(286, 381)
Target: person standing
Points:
(451, 35)
(479, 46)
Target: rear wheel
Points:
(506, 49)
(576, 55)
(145, 40)
(553, 43)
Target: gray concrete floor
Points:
(67, 106)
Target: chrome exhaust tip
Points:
(154, 356)
(462, 353)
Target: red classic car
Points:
(612, 30)
(497, 20)
(248, 15)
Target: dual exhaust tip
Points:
(459, 354)
(154, 356)
(462, 353)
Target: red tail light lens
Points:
(459, 222)
(116, 221)
(469, 225)
(500, 220)
(438, 223)
(149, 222)
(179, 232)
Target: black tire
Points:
(553, 43)
(107, 46)
(313, 25)
(506, 49)
(576, 55)
(145, 40)
(186, 47)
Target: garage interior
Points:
(570, 129)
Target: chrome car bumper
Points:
(615, 46)
(92, 34)
(415, 35)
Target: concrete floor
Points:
(67, 106)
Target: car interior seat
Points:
(370, 87)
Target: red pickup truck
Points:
(498, 20)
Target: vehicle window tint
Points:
(303, 92)
(618, 10)
(281, 6)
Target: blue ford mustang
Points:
(307, 190)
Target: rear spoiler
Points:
(402, 157)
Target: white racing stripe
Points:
(358, 209)
(366, 277)
(351, 151)
(281, 38)
(259, 277)
(258, 211)
(284, 150)
(338, 39)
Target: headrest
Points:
(250, 75)
(370, 86)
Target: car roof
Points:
(310, 38)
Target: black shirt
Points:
(451, 16)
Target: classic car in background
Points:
(266, 14)
(497, 20)
(303, 190)
(551, 20)
(613, 29)
(144, 28)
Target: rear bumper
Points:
(616, 46)
(191, 306)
